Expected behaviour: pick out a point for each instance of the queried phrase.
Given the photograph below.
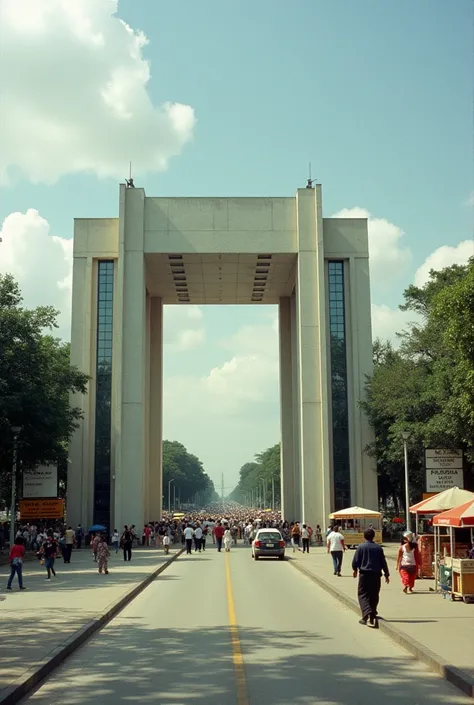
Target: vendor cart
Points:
(457, 562)
(354, 521)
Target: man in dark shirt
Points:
(369, 562)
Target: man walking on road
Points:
(219, 534)
(336, 548)
(188, 537)
(69, 539)
(369, 562)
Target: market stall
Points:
(458, 572)
(354, 521)
(431, 507)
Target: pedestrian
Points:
(15, 558)
(336, 547)
(188, 538)
(296, 536)
(305, 535)
(205, 531)
(408, 561)
(103, 554)
(95, 545)
(166, 544)
(126, 541)
(115, 540)
(50, 551)
(369, 562)
(219, 534)
(197, 538)
(79, 536)
(69, 539)
(227, 539)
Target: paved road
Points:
(174, 645)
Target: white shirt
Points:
(198, 533)
(166, 540)
(304, 533)
(335, 540)
(115, 537)
(188, 532)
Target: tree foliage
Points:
(36, 380)
(426, 386)
(266, 467)
(187, 473)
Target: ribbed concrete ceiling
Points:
(220, 279)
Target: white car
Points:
(268, 542)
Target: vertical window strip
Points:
(340, 408)
(103, 397)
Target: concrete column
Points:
(296, 410)
(288, 488)
(146, 504)
(155, 491)
(80, 486)
(312, 374)
(131, 460)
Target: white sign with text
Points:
(444, 469)
(41, 482)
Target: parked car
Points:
(268, 542)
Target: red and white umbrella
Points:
(459, 516)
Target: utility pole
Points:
(16, 430)
(273, 493)
(222, 490)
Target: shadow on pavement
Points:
(194, 665)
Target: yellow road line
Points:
(237, 658)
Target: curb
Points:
(13, 693)
(453, 675)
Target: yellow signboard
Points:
(41, 508)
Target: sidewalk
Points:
(437, 631)
(40, 619)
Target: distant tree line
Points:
(255, 483)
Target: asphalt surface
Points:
(293, 645)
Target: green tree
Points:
(257, 475)
(36, 379)
(426, 386)
(187, 472)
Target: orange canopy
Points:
(459, 516)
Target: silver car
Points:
(268, 542)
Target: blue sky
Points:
(377, 95)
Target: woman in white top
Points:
(227, 539)
(408, 560)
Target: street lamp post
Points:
(169, 496)
(406, 436)
(273, 493)
(16, 432)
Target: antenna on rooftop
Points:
(129, 181)
(310, 181)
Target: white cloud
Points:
(470, 200)
(444, 256)
(40, 262)
(387, 322)
(183, 327)
(389, 257)
(73, 90)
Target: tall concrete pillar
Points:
(130, 463)
(81, 468)
(288, 487)
(312, 375)
(155, 429)
(296, 409)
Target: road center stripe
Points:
(237, 658)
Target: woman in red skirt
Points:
(408, 561)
